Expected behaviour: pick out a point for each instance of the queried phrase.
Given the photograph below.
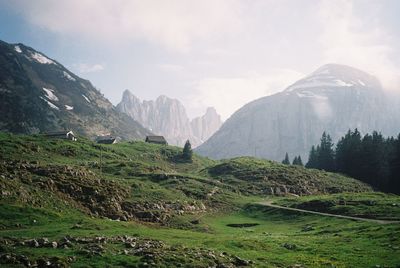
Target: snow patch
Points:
(309, 94)
(341, 83)
(361, 82)
(50, 94)
(68, 76)
(18, 49)
(50, 104)
(69, 108)
(41, 59)
(313, 83)
(86, 98)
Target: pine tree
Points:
(294, 162)
(187, 152)
(349, 154)
(312, 158)
(299, 161)
(286, 161)
(326, 155)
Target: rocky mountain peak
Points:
(334, 98)
(166, 116)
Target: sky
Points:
(222, 53)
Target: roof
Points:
(106, 139)
(59, 133)
(158, 139)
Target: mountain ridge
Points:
(334, 98)
(167, 116)
(39, 94)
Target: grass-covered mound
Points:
(373, 205)
(267, 177)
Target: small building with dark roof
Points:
(66, 135)
(156, 139)
(107, 139)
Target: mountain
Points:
(38, 94)
(167, 117)
(334, 98)
(203, 127)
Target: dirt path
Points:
(269, 204)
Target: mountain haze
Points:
(167, 117)
(334, 98)
(38, 94)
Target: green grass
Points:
(355, 244)
(374, 205)
(54, 188)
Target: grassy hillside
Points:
(373, 205)
(135, 204)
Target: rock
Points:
(130, 244)
(289, 246)
(195, 221)
(32, 243)
(240, 262)
(54, 244)
(308, 228)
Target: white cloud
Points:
(175, 24)
(357, 42)
(229, 94)
(89, 68)
(170, 67)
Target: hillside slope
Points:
(135, 204)
(38, 94)
(148, 182)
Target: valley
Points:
(135, 204)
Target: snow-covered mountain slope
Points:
(334, 98)
(38, 94)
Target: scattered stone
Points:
(308, 228)
(240, 262)
(289, 246)
(54, 244)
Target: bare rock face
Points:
(335, 98)
(167, 117)
(203, 127)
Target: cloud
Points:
(357, 41)
(229, 94)
(175, 24)
(89, 68)
(170, 67)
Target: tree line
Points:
(371, 158)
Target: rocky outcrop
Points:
(205, 126)
(86, 191)
(167, 117)
(335, 98)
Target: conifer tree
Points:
(326, 156)
(299, 161)
(294, 161)
(286, 161)
(312, 158)
(187, 152)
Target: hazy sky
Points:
(221, 53)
